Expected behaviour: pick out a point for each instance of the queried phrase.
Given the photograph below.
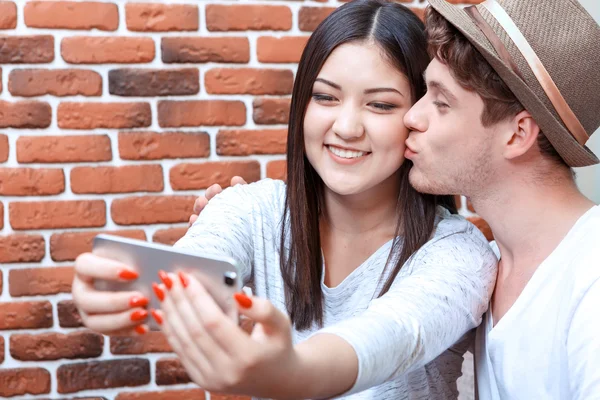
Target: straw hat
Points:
(548, 53)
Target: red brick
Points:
(63, 149)
(1, 282)
(152, 209)
(245, 142)
(222, 396)
(25, 315)
(156, 146)
(168, 236)
(205, 49)
(54, 346)
(31, 181)
(102, 375)
(57, 214)
(8, 15)
(458, 201)
(107, 50)
(103, 115)
(277, 169)
(21, 248)
(40, 281)
(201, 113)
(483, 226)
(151, 342)
(1, 220)
(125, 179)
(68, 316)
(248, 17)
(310, 17)
(57, 82)
(470, 206)
(270, 111)
(72, 15)
(419, 12)
(201, 176)
(3, 148)
(1, 341)
(25, 114)
(153, 82)
(68, 245)
(21, 381)
(249, 81)
(161, 17)
(26, 49)
(170, 372)
(280, 50)
(183, 394)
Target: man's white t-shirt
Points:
(547, 346)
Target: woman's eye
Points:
(383, 106)
(322, 97)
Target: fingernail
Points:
(243, 300)
(165, 278)
(156, 317)
(139, 315)
(185, 281)
(128, 274)
(138, 301)
(141, 329)
(158, 291)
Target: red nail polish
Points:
(141, 329)
(138, 301)
(243, 300)
(157, 317)
(158, 291)
(185, 281)
(139, 315)
(128, 274)
(166, 279)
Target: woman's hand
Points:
(211, 192)
(103, 311)
(219, 355)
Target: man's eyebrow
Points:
(441, 87)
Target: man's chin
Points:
(423, 185)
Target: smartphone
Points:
(219, 275)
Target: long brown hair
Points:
(401, 35)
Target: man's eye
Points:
(439, 104)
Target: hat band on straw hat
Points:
(558, 101)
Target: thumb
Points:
(263, 312)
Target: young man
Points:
(513, 95)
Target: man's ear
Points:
(522, 134)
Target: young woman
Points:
(364, 287)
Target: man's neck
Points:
(530, 220)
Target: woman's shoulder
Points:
(455, 239)
(265, 195)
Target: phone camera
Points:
(230, 278)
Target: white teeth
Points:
(346, 153)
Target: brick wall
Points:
(114, 116)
